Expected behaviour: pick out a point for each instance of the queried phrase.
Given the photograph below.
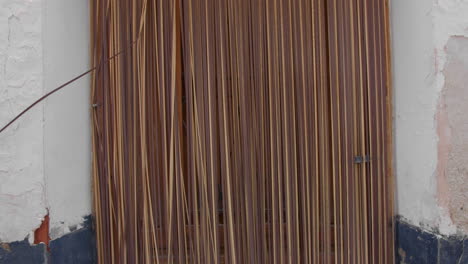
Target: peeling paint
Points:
(41, 234)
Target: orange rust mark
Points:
(5, 246)
(41, 234)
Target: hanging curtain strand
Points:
(241, 131)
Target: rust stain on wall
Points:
(5, 246)
(41, 234)
(452, 121)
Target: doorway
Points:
(242, 131)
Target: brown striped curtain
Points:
(242, 131)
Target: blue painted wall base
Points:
(417, 246)
(77, 247)
(413, 245)
(22, 252)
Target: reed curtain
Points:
(241, 131)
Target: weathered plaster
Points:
(428, 151)
(455, 159)
(22, 199)
(450, 25)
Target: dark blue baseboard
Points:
(417, 246)
(77, 247)
(21, 252)
(413, 246)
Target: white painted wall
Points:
(67, 131)
(415, 102)
(45, 157)
(22, 198)
(420, 32)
